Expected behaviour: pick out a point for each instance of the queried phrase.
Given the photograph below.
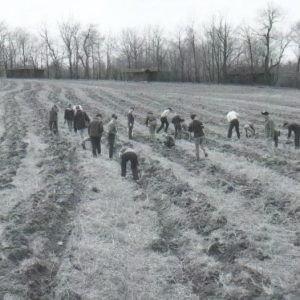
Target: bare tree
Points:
(68, 32)
(296, 39)
(274, 42)
(52, 52)
(192, 41)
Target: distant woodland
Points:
(216, 52)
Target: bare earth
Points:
(226, 227)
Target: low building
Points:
(147, 74)
(25, 73)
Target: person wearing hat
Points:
(295, 128)
(130, 119)
(270, 132)
(53, 119)
(112, 132)
(151, 123)
(127, 153)
(81, 121)
(232, 118)
(69, 117)
(95, 131)
(199, 137)
(164, 120)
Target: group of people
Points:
(271, 132)
(78, 120)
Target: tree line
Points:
(213, 52)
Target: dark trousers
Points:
(96, 144)
(177, 130)
(297, 140)
(130, 128)
(111, 144)
(132, 157)
(53, 126)
(234, 124)
(164, 121)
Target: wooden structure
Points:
(148, 74)
(25, 73)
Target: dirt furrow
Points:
(183, 161)
(281, 209)
(39, 225)
(283, 164)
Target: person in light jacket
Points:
(232, 118)
(151, 123)
(164, 120)
(270, 132)
(112, 132)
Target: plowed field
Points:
(225, 227)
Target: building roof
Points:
(143, 70)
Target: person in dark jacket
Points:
(53, 119)
(177, 122)
(151, 123)
(112, 132)
(81, 121)
(69, 117)
(130, 119)
(127, 153)
(295, 128)
(199, 137)
(95, 130)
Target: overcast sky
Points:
(114, 15)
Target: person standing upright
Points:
(112, 132)
(177, 121)
(232, 118)
(81, 121)
(151, 123)
(164, 120)
(270, 132)
(95, 130)
(69, 117)
(199, 137)
(130, 118)
(293, 127)
(53, 118)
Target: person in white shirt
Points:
(164, 120)
(232, 118)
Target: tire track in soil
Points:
(40, 224)
(279, 207)
(281, 164)
(232, 245)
